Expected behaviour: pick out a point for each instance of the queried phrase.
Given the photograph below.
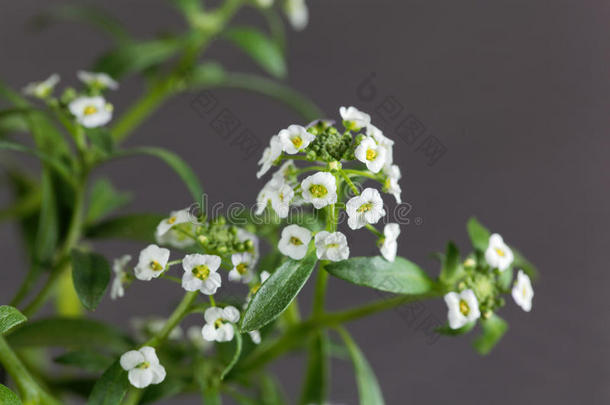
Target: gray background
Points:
(517, 91)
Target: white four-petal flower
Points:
(242, 267)
(218, 325)
(295, 138)
(366, 208)
(175, 218)
(371, 154)
(97, 80)
(91, 112)
(389, 245)
(498, 254)
(200, 273)
(280, 199)
(331, 246)
(42, 89)
(119, 266)
(151, 263)
(391, 185)
(354, 119)
(143, 367)
(522, 292)
(320, 189)
(294, 241)
(270, 154)
(463, 308)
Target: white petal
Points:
(158, 373)
(149, 354)
(131, 359)
(190, 282)
(231, 314)
(140, 378)
(208, 332)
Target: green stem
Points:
(349, 182)
(174, 319)
(361, 173)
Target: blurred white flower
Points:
(119, 267)
(391, 185)
(384, 142)
(297, 13)
(143, 367)
(295, 138)
(255, 336)
(523, 293)
(294, 241)
(200, 273)
(498, 254)
(320, 189)
(463, 308)
(331, 246)
(371, 154)
(390, 245)
(270, 154)
(175, 218)
(354, 119)
(366, 208)
(151, 263)
(91, 112)
(280, 199)
(97, 80)
(42, 89)
(218, 325)
(242, 267)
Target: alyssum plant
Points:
(330, 172)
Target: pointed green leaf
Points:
(316, 380)
(111, 387)
(401, 276)
(479, 235)
(86, 359)
(9, 318)
(277, 292)
(235, 358)
(56, 164)
(103, 199)
(505, 279)
(452, 269)
(493, 328)
(8, 397)
(368, 387)
(91, 275)
(139, 227)
(260, 48)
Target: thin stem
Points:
(374, 230)
(361, 173)
(349, 182)
(174, 319)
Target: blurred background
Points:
(516, 96)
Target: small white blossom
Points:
(297, 13)
(384, 142)
(320, 189)
(97, 80)
(523, 291)
(200, 273)
(389, 246)
(294, 241)
(218, 325)
(295, 139)
(91, 112)
(367, 208)
(42, 89)
(255, 336)
(463, 308)
(280, 199)
(175, 218)
(498, 254)
(242, 267)
(143, 367)
(151, 263)
(391, 185)
(270, 154)
(371, 154)
(331, 246)
(119, 266)
(354, 119)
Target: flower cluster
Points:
(479, 290)
(330, 180)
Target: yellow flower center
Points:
(318, 190)
(295, 241)
(143, 365)
(171, 220)
(500, 252)
(201, 271)
(297, 142)
(464, 308)
(524, 292)
(90, 109)
(218, 323)
(156, 266)
(371, 154)
(241, 268)
(332, 245)
(365, 207)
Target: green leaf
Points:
(174, 161)
(520, 262)
(56, 164)
(235, 358)
(13, 120)
(479, 235)
(91, 275)
(401, 276)
(139, 227)
(86, 359)
(447, 331)
(368, 387)
(505, 279)
(494, 328)
(47, 233)
(9, 318)
(315, 387)
(271, 392)
(101, 139)
(170, 387)
(103, 199)
(452, 269)
(260, 48)
(111, 387)
(8, 397)
(277, 292)
(69, 333)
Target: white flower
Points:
(255, 336)
(498, 254)
(354, 119)
(91, 112)
(295, 138)
(175, 218)
(391, 185)
(242, 267)
(365, 208)
(42, 89)
(294, 241)
(331, 246)
(142, 367)
(371, 154)
(151, 263)
(200, 273)
(320, 189)
(176, 238)
(280, 199)
(297, 13)
(523, 291)
(270, 154)
(264, 3)
(281, 175)
(390, 246)
(218, 325)
(119, 266)
(383, 141)
(463, 308)
(97, 80)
